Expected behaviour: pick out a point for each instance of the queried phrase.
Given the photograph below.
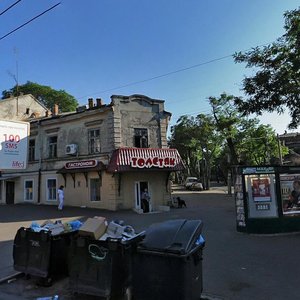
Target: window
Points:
(52, 147)
(94, 141)
(51, 189)
(140, 138)
(31, 151)
(28, 190)
(95, 189)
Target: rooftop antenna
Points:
(16, 79)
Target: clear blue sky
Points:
(92, 48)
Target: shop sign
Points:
(258, 170)
(81, 164)
(155, 161)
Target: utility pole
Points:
(17, 78)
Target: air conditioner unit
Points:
(71, 149)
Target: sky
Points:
(174, 50)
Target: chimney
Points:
(47, 113)
(99, 102)
(55, 110)
(91, 102)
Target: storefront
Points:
(267, 199)
(144, 169)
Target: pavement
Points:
(235, 265)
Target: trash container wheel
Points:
(46, 282)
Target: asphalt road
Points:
(235, 265)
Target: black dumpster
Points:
(168, 262)
(40, 253)
(101, 267)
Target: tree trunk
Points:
(233, 158)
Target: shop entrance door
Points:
(10, 192)
(140, 186)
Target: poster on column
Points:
(261, 190)
(13, 144)
(290, 193)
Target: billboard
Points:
(290, 193)
(13, 144)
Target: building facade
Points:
(105, 155)
(23, 107)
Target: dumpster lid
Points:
(174, 236)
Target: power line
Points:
(52, 7)
(160, 76)
(3, 12)
(169, 73)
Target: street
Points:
(235, 265)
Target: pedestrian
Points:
(145, 201)
(61, 197)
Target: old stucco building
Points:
(104, 154)
(21, 108)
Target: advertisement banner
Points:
(290, 193)
(261, 189)
(13, 144)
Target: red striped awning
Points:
(130, 159)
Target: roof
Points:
(146, 159)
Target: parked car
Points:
(196, 186)
(189, 181)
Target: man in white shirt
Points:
(61, 196)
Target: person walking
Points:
(61, 197)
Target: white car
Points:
(196, 186)
(189, 182)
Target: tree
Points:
(45, 94)
(276, 84)
(183, 139)
(248, 142)
(259, 145)
(210, 142)
(227, 121)
(198, 143)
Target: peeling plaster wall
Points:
(21, 108)
(139, 111)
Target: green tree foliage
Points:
(276, 83)
(248, 142)
(208, 141)
(228, 121)
(210, 144)
(45, 94)
(198, 143)
(184, 140)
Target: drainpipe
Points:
(40, 164)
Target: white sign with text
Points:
(13, 144)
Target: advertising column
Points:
(262, 201)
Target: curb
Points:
(10, 278)
(210, 297)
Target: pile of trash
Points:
(118, 230)
(97, 228)
(56, 227)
